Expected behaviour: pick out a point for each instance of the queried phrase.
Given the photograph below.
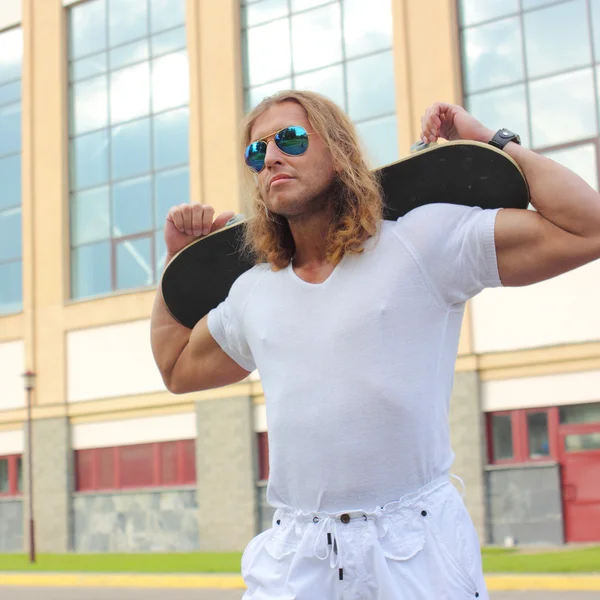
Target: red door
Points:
(580, 460)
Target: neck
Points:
(310, 232)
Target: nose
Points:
(273, 155)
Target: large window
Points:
(341, 48)
(142, 465)
(129, 94)
(11, 475)
(533, 66)
(11, 55)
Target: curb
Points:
(219, 581)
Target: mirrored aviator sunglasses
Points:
(292, 141)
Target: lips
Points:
(277, 178)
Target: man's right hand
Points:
(187, 222)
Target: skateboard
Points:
(199, 276)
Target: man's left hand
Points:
(452, 122)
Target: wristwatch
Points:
(502, 137)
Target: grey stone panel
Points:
(265, 511)
(12, 525)
(525, 503)
(141, 521)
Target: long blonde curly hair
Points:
(356, 193)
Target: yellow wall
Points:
(427, 69)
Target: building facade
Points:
(111, 111)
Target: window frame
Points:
(93, 485)
(13, 482)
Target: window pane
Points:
(328, 81)
(475, 11)
(505, 107)
(371, 86)
(4, 483)
(582, 442)
(10, 178)
(128, 54)
(11, 51)
(11, 288)
(367, 26)
(168, 462)
(257, 94)
(170, 81)
(595, 17)
(563, 109)
(567, 22)
(106, 468)
(134, 263)
(537, 431)
(380, 138)
(127, 20)
(492, 55)
(580, 413)
(528, 4)
(90, 105)
(10, 92)
(89, 160)
(171, 145)
(298, 5)
(19, 474)
(10, 234)
(136, 464)
(171, 187)
(130, 149)
(87, 28)
(160, 251)
(132, 207)
(168, 42)
(165, 14)
(84, 470)
(261, 41)
(316, 38)
(502, 437)
(261, 12)
(90, 216)
(88, 67)
(10, 128)
(581, 160)
(129, 93)
(91, 270)
(189, 461)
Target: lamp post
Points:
(29, 378)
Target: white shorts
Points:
(422, 547)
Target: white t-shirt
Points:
(357, 371)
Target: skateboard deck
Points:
(199, 277)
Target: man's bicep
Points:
(531, 249)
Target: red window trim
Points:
(117, 468)
(520, 437)
(262, 438)
(12, 476)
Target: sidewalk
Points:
(224, 581)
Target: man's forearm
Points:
(558, 194)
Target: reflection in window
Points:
(579, 159)
(582, 441)
(502, 441)
(341, 49)
(129, 96)
(580, 413)
(476, 11)
(11, 56)
(537, 434)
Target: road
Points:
(22, 593)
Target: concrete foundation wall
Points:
(12, 525)
(525, 504)
(140, 521)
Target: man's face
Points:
(299, 180)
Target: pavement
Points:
(58, 593)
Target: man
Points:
(353, 324)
